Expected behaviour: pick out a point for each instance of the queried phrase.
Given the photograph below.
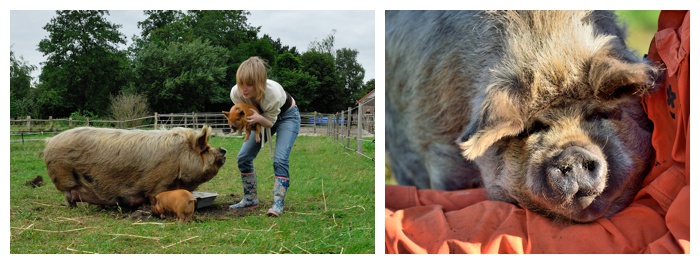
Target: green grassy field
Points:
(329, 209)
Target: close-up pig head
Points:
(562, 132)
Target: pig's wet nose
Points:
(578, 173)
(222, 150)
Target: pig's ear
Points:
(225, 114)
(500, 116)
(202, 140)
(613, 79)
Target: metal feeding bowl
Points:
(204, 199)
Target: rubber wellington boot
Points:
(250, 192)
(278, 192)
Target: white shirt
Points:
(270, 103)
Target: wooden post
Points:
(194, 120)
(70, 122)
(155, 120)
(340, 126)
(29, 121)
(314, 122)
(348, 122)
(359, 128)
(87, 121)
(50, 122)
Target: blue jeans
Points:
(287, 129)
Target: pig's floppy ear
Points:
(499, 117)
(225, 114)
(202, 139)
(612, 79)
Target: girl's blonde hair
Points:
(253, 72)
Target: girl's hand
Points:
(256, 118)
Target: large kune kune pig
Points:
(127, 167)
(541, 108)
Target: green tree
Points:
(300, 84)
(350, 74)
(227, 29)
(325, 45)
(21, 96)
(328, 97)
(230, 29)
(83, 63)
(163, 25)
(182, 77)
(366, 88)
(279, 47)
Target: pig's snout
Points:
(578, 174)
(222, 150)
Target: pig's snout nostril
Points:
(578, 162)
(577, 173)
(222, 150)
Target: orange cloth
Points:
(658, 221)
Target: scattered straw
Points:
(60, 219)
(334, 222)
(286, 248)
(245, 238)
(30, 226)
(51, 231)
(80, 251)
(51, 205)
(253, 230)
(179, 242)
(147, 223)
(351, 207)
(135, 236)
(307, 252)
(325, 207)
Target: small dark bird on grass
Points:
(38, 181)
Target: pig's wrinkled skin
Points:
(541, 108)
(126, 167)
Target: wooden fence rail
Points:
(339, 126)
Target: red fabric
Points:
(658, 221)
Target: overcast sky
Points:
(295, 28)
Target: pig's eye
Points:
(611, 114)
(536, 127)
(204, 151)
